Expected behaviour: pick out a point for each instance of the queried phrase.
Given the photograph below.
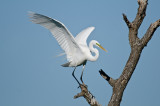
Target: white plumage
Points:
(76, 49)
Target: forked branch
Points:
(137, 46)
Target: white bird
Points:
(76, 49)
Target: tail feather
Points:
(66, 64)
(61, 54)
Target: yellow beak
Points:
(101, 47)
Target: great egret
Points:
(76, 49)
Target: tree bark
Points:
(87, 95)
(137, 46)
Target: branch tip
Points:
(110, 80)
(104, 75)
(142, 1)
(148, 35)
(126, 20)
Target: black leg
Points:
(75, 77)
(82, 73)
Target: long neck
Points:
(93, 50)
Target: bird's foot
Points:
(82, 85)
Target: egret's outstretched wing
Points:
(81, 38)
(59, 31)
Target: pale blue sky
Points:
(30, 72)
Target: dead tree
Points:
(137, 46)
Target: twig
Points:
(148, 35)
(127, 21)
(110, 80)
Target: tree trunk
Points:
(137, 46)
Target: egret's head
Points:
(101, 47)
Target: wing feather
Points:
(59, 31)
(81, 38)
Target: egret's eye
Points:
(97, 44)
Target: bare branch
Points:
(110, 80)
(87, 95)
(127, 21)
(145, 39)
(141, 13)
(137, 46)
